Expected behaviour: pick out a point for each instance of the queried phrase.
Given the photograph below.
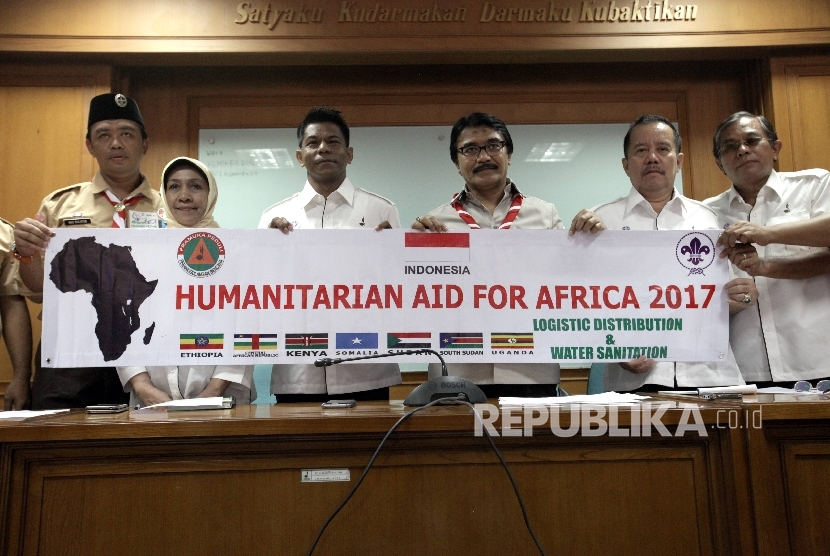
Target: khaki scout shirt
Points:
(535, 213)
(84, 205)
(8, 264)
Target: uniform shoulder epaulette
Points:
(812, 172)
(702, 205)
(278, 203)
(717, 197)
(375, 195)
(617, 200)
(437, 210)
(58, 193)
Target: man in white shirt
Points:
(329, 200)
(653, 158)
(785, 338)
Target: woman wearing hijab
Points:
(189, 195)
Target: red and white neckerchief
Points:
(119, 217)
(511, 215)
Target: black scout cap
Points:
(113, 106)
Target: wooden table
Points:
(229, 482)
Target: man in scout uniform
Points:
(117, 139)
(15, 323)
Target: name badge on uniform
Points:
(77, 221)
(140, 219)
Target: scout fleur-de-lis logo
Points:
(363, 221)
(696, 252)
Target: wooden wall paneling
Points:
(708, 103)
(780, 111)
(772, 534)
(740, 513)
(205, 30)
(43, 110)
(806, 465)
(800, 95)
(790, 512)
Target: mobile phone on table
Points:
(339, 404)
(107, 408)
(722, 396)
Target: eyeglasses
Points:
(731, 147)
(473, 151)
(804, 386)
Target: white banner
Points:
(167, 297)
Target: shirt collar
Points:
(346, 191)
(773, 183)
(510, 191)
(99, 185)
(635, 199)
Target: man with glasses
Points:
(785, 338)
(480, 148)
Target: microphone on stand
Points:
(444, 386)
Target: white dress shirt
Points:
(634, 212)
(345, 208)
(787, 336)
(188, 381)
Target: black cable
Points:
(447, 401)
(510, 476)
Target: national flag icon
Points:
(409, 340)
(201, 341)
(356, 340)
(511, 340)
(306, 341)
(430, 247)
(462, 340)
(245, 342)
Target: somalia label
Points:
(201, 254)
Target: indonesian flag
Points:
(437, 247)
